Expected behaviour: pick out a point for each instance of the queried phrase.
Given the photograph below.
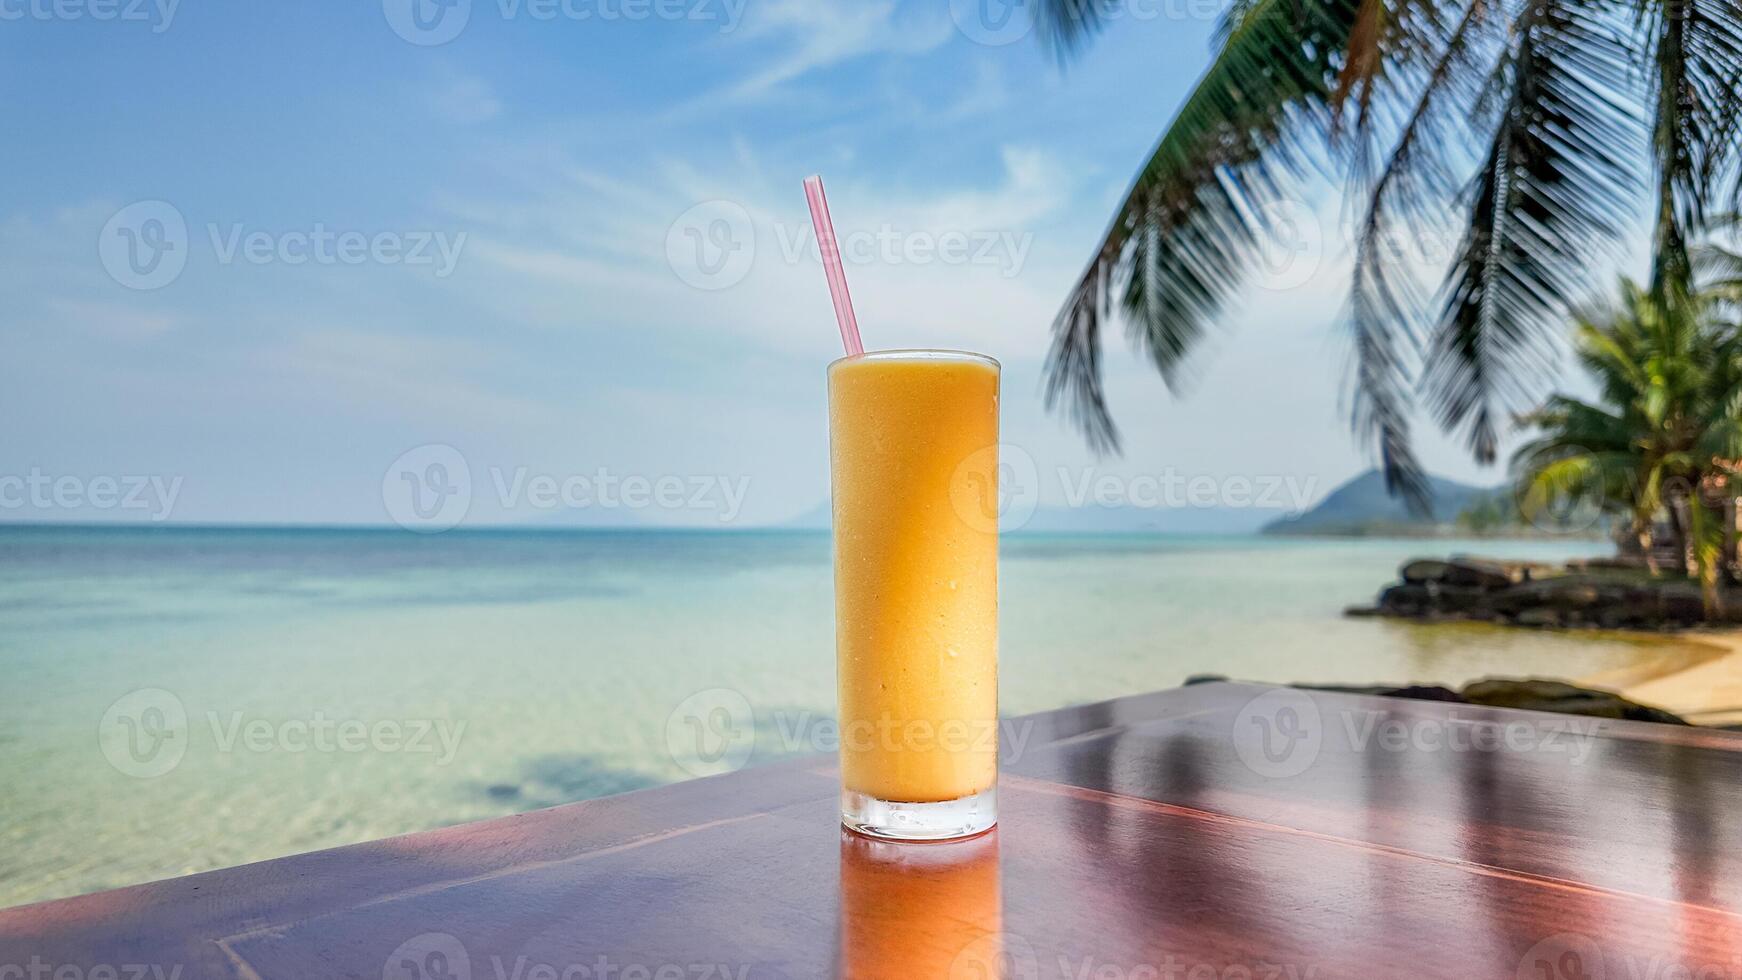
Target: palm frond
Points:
(1183, 237)
(1379, 391)
(1696, 92)
(1717, 264)
(1543, 206)
(1562, 95)
(1073, 367)
(1385, 299)
(1065, 26)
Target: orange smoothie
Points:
(913, 439)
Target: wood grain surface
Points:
(1216, 832)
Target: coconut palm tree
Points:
(1668, 410)
(1528, 130)
(1618, 452)
(1717, 264)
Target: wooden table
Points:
(1208, 833)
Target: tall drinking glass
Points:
(913, 439)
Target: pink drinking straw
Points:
(813, 192)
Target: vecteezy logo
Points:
(1291, 244)
(711, 732)
(712, 245)
(144, 245)
(1568, 956)
(431, 956)
(1566, 510)
(428, 488)
(1279, 733)
(992, 22)
(427, 23)
(996, 956)
(144, 733)
(996, 488)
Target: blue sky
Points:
(576, 160)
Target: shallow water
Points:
(319, 671)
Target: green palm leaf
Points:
(1566, 98)
(1696, 93)
(1548, 197)
(1191, 221)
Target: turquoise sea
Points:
(178, 700)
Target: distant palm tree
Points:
(1530, 129)
(1718, 265)
(1668, 411)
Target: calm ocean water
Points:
(310, 688)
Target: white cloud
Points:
(979, 263)
(810, 36)
(463, 99)
(930, 105)
(420, 379)
(58, 249)
(112, 320)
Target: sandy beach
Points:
(1705, 691)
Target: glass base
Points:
(949, 820)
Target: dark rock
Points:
(1361, 612)
(1572, 594)
(1535, 694)
(1535, 595)
(1611, 563)
(1415, 692)
(1459, 598)
(1638, 605)
(1495, 572)
(1518, 598)
(1561, 594)
(1681, 603)
(1482, 574)
(1423, 570)
(1538, 617)
(1424, 692)
(1405, 600)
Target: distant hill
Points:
(1361, 507)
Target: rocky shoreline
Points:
(1591, 593)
